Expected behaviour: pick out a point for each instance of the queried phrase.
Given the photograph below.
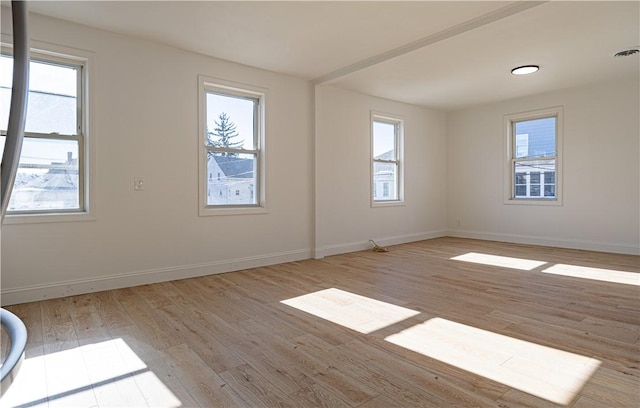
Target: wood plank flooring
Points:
(408, 328)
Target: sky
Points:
(240, 112)
(383, 138)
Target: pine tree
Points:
(223, 135)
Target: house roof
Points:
(235, 167)
(390, 155)
(48, 181)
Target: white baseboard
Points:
(364, 245)
(317, 253)
(32, 293)
(613, 247)
(12, 296)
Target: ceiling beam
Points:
(506, 11)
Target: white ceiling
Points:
(441, 54)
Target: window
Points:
(51, 176)
(533, 157)
(386, 167)
(232, 147)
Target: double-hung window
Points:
(386, 159)
(232, 148)
(533, 157)
(51, 171)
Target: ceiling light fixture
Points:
(525, 70)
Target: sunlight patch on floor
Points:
(552, 374)
(359, 313)
(605, 275)
(108, 373)
(501, 261)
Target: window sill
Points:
(10, 219)
(394, 203)
(209, 211)
(528, 201)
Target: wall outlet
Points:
(138, 183)
(458, 222)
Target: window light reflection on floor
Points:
(604, 275)
(574, 271)
(501, 261)
(107, 373)
(549, 373)
(359, 313)
(552, 374)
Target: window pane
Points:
(521, 178)
(47, 177)
(384, 141)
(231, 178)
(535, 138)
(231, 121)
(535, 177)
(535, 190)
(521, 191)
(53, 103)
(550, 190)
(385, 180)
(550, 177)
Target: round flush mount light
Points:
(525, 70)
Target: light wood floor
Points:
(411, 327)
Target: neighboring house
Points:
(538, 180)
(384, 178)
(231, 180)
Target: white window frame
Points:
(224, 87)
(85, 60)
(398, 122)
(509, 175)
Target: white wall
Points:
(145, 118)
(345, 220)
(601, 207)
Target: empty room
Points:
(320, 204)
